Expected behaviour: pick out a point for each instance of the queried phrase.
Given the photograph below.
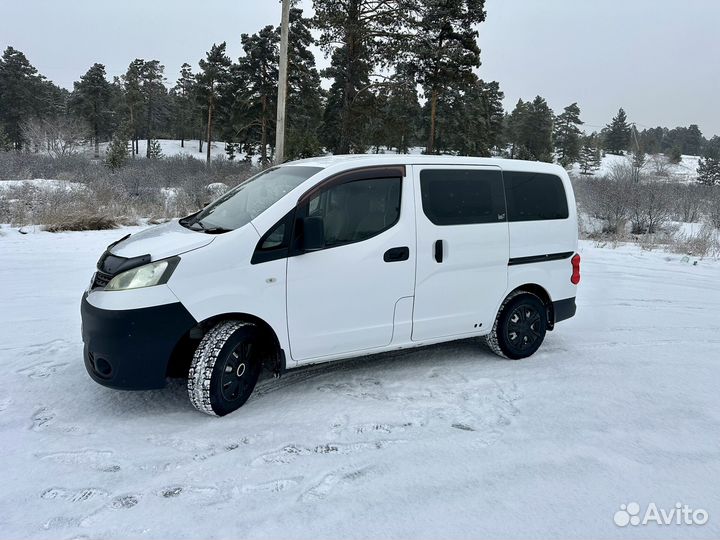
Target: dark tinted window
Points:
(274, 243)
(461, 197)
(534, 196)
(358, 210)
(275, 238)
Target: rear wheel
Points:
(520, 326)
(225, 367)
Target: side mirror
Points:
(313, 233)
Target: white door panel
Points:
(342, 299)
(458, 294)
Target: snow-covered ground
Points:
(42, 184)
(685, 171)
(172, 147)
(620, 405)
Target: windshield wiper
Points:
(207, 230)
(216, 230)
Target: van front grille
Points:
(101, 279)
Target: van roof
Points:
(359, 160)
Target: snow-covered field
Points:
(620, 405)
(685, 171)
(43, 184)
(173, 147)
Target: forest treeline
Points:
(402, 74)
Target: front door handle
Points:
(439, 251)
(397, 254)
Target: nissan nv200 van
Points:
(330, 258)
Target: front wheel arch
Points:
(185, 348)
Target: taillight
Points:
(575, 278)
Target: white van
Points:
(330, 258)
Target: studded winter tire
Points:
(225, 367)
(520, 326)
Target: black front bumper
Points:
(130, 349)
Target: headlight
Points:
(147, 275)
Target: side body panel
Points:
(343, 299)
(221, 280)
(458, 295)
(530, 238)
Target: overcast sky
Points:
(656, 58)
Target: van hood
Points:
(161, 241)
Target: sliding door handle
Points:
(439, 251)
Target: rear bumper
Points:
(130, 349)
(564, 309)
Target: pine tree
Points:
(531, 129)
(153, 90)
(402, 113)
(674, 155)
(91, 101)
(589, 159)
(184, 103)
(304, 105)
(567, 135)
(118, 152)
(444, 49)
(5, 142)
(617, 136)
(24, 94)
(693, 141)
(230, 151)
(493, 113)
(470, 119)
(134, 100)
(359, 35)
(213, 74)
(259, 68)
(513, 127)
(638, 159)
(709, 171)
(590, 155)
(154, 149)
(349, 101)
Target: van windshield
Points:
(242, 204)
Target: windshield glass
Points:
(245, 202)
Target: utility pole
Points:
(282, 84)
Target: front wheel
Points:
(225, 367)
(520, 326)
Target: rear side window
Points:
(462, 197)
(534, 196)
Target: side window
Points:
(275, 238)
(275, 243)
(358, 210)
(534, 196)
(462, 197)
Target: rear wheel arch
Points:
(541, 293)
(519, 328)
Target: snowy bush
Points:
(157, 189)
(705, 242)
